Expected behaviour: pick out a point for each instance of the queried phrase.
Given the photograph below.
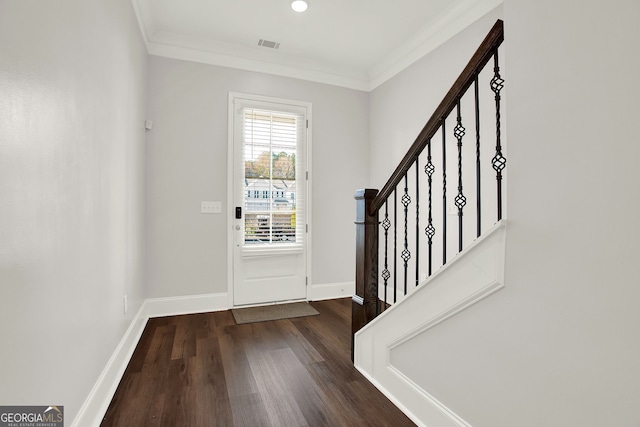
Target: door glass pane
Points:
(270, 141)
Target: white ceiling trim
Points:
(435, 33)
(140, 16)
(178, 46)
(247, 64)
(451, 22)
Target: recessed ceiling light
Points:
(299, 5)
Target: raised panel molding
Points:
(473, 275)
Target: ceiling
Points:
(352, 43)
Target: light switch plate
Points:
(210, 207)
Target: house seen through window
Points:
(270, 143)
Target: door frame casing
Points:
(230, 184)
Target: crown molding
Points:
(449, 23)
(452, 21)
(188, 48)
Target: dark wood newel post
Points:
(365, 301)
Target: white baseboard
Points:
(97, 403)
(391, 397)
(190, 304)
(331, 291)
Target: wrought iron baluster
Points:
(430, 230)
(460, 200)
(499, 161)
(386, 224)
(444, 193)
(417, 220)
(395, 244)
(406, 254)
(478, 201)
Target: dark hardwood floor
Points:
(204, 370)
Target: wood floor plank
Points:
(161, 345)
(203, 370)
(281, 406)
(331, 351)
(341, 405)
(224, 318)
(238, 375)
(152, 417)
(205, 326)
(209, 388)
(137, 359)
(300, 385)
(179, 348)
(303, 349)
(249, 411)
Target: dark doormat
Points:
(273, 312)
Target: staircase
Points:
(422, 254)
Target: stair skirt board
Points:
(473, 275)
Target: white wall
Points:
(187, 163)
(558, 346)
(72, 93)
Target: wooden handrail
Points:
(480, 58)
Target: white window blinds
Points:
(274, 181)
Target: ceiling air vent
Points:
(269, 44)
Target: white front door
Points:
(269, 199)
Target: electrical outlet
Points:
(126, 305)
